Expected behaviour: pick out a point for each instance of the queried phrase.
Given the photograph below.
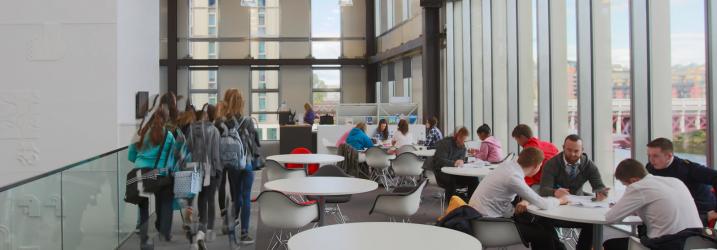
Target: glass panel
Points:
(620, 44)
(203, 50)
(30, 215)
(325, 18)
(326, 98)
(265, 19)
(535, 122)
(199, 99)
(689, 118)
(571, 24)
(326, 50)
(203, 79)
(327, 79)
(266, 122)
(128, 214)
(90, 204)
(265, 79)
(270, 102)
(265, 50)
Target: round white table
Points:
(306, 159)
(321, 187)
(588, 215)
(382, 236)
(425, 152)
(470, 171)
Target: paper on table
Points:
(586, 201)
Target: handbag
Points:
(187, 183)
(146, 180)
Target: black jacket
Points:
(460, 219)
(447, 152)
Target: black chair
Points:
(333, 171)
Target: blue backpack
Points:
(231, 149)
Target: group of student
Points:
(173, 141)
(674, 197)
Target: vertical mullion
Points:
(639, 57)
(513, 73)
(487, 63)
(467, 72)
(545, 98)
(450, 67)
(585, 83)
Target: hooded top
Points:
(490, 150)
(358, 139)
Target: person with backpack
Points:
(238, 155)
(219, 120)
(203, 141)
(151, 149)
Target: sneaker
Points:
(245, 239)
(211, 236)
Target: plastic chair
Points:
(278, 211)
(380, 162)
(699, 242)
(276, 171)
(399, 204)
(497, 232)
(311, 168)
(405, 149)
(634, 244)
(407, 165)
(333, 171)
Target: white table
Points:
(594, 216)
(306, 159)
(425, 152)
(470, 170)
(321, 187)
(382, 236)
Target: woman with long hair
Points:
(402, 137)
(309, 114)
(152, 149)
(381, 133)
(242, 180)
(358, 139)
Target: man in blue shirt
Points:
(699, 179)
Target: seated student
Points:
(663, 204)
(494, 198)
(358, 139)
(381, 133)
(523, 135)
(698, 179)
(450, 152)
(490, 148)
(401, 137)
(433, 134)
(566, 174)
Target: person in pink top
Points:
(490, 148)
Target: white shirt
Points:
(402, 139)
(663, 203)
(496, 191)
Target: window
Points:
(621, 80)
(406, 9)
(325, 23)
(572, 69)
(203, 86)
(326, 89)
(265, 100)
(203, 24)
(535, 122)
(689, 118)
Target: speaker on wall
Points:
(141, 102)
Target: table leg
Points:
(306, 169)
(597, 236)
(322, 206)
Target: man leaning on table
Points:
(495, 195)
(663, 204)
(699, 179)
(565, 174)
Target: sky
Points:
(325, 22)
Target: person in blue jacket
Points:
(358, 138)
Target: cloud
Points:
(688, 48)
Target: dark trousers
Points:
(539, 233)
(242, 181)
(452, 182)
(586, 232)
(667, 242)
(163, 200)
(222, 189)
(206, 207)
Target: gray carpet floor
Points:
(356, 210)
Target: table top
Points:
(580, 214)
(470, 170)
(306, 158)
(322, 185)
(382, 236)
(425, 152)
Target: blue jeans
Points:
(242, 180)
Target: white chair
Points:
(276, 171)
(278, 211)
(497, 232)
(402, 205)
(331, 147)
(333, 171)
(380, 162)
(405, 149)
(697, 242)
(634, 244)
(407, 165)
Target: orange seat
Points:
(311, 168)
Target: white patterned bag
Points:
(188, 183)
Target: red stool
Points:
(311, 168)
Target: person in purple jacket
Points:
(490, 148)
